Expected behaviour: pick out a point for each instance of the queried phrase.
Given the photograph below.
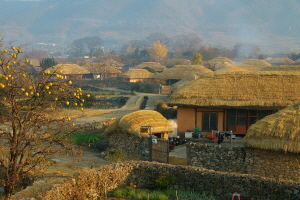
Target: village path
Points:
(132, 104)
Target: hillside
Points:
(271, 24)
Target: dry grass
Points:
(131, 123)
(240, 89)
(279, 131)
(181, 71)
(137, 73)
(68, 69)
(154, 65)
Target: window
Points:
(210, 121)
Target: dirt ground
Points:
(64, 166)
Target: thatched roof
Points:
(280, 61)
(180, 71)
(256, 62)
(232, 68)
(184, 81)
(218, 63)
(220, 59)
(172, 62)
(240, 89)
(132, 123)
(154, 65)
(282, 68)
(68, 69)
(137, 73)
(279, 131)
(101, 68)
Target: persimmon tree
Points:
(158, 52)
(31, 133)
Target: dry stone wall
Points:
(131, 146)
(97, 183)
(245, 160)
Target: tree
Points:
(153, 37)
(93, 44)
(187, 43)
(47, 63)
(197, 59)
(31, 132)
(158, 52)
(246, 50)
(88, 45)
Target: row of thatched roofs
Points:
(183, 66)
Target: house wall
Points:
(245, 160)
(189, 117)
(185, 120)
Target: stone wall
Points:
(245, 160)
(96, 183)
(131, 146)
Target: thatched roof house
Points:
(278, 132)
(101, 70)
(153, 65)
(69, 70)
(217, 63)
(282, 68)
(137, 75)
(169, 63)
(184, 81)
(233, 100)
(256, 62)
(280, 61)
(178, 72)
(133, 122)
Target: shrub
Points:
(164, 181)
(115, 156)
(84, 138)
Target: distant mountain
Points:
(272, 25)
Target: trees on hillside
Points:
(86, 46)
(31, 132)
(158, 52)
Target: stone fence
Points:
(245, 160)
(97, 183)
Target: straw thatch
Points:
(256, 62)
(280, 61)
(172, 62)
(153, 65)
(220, 59)
(101, 68)
(279, 131)
(132, 123)
(68, 69)
(184, 81)
(180, 71)
(282, 68)
(240, 89)
(232, 68)
(137, 73)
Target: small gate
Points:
(159, 150)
